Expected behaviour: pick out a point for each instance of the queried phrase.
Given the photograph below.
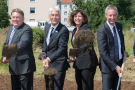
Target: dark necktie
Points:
(51, 32)
(116, 46)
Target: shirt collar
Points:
(54, 26)
(111, 27)
(14, 27)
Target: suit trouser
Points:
(22, 82)
(58, 80)
(84, 78)
(110, 80)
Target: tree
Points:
(95, 9)
(4, 16)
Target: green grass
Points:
(129, 42)
(3, 67)
(1, 29)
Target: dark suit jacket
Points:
(57, 48)
(134, 48)
(105, 41)
(24, 61)
(87, 59)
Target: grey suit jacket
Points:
(57, 48)
(24, 61)
(105, 41)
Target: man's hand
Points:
(127, 55)
(43, 55)
(5, 60)
(134, 60)
(118, 70)
(46, 63)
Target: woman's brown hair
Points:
(71, 17)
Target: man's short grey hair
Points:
(111, 7)
(18, 10)
(55, 8)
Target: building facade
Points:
(34, 10)
(66, 9)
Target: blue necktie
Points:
(116, 46)
(51, 32)
(11, 35)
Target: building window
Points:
(32, 0)
(32, 10)
(65, 6)
(65, 19)
(32, 20)
(65, 12)
(70, 6)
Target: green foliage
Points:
(4, 16)
(38, 35)
(95, 9)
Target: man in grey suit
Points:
(111, 48)
(55, 47)
(22, 65)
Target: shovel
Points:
(120, 76)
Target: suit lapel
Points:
(16, 34)
(47, 30)
(108, 30)
(118, 29)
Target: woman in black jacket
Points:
(85, 64)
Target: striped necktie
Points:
(51, 32)
(11, 35)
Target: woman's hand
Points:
(71, 59)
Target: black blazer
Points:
(87, 59)
(134, 48)
(105, 41)
(24, 61)
(57, 48)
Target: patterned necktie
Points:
(11, 35)
(116, 46)
(49, 36)
(51, 32)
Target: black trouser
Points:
(110, 80)
(58, 80)
(84, 78)
(22, 82)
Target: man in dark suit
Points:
(111, 48)
(22, 65)
(55, 47)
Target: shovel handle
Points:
(43, 61)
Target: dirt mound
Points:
(39, 84)
(3, 33)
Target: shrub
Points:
(38, 36)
